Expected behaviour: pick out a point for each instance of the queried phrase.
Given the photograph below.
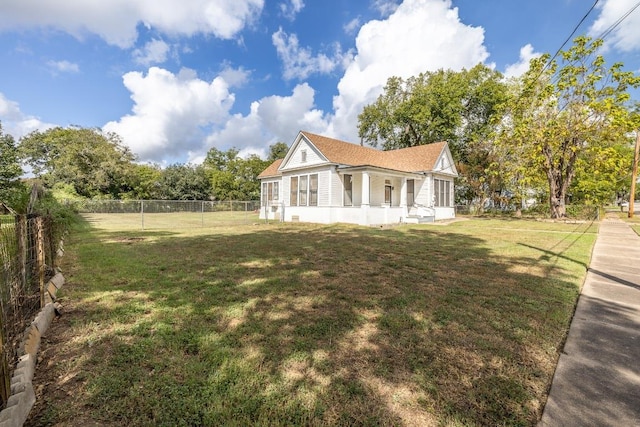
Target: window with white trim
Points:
(442, 192)
(411, 199)
(348, 189)
(313, 190)
(293, 197)
(270, 193)
(304, 190)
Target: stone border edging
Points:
(23, 396)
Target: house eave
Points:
(377, 169)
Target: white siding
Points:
(324, 185)
(423, 192)
(337, 189)
(295, 161)
(377, 189)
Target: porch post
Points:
(365, 189)
(403, 198)
(364, 220)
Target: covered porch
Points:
(378, 196)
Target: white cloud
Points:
(15, 122)
(626, 36)
(271, 119)
(171, 113)
(521, 67)
(235, 77)
(291, 8)
(153, 52)
(63, 67)
(385, 7)
(300, 62)
(351, 26)
(421, 35)
(116, 20)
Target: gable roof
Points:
(412, 159)
(420, 158)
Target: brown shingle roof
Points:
(271, 170)
(411, 159)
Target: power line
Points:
(569, 38)
(618, 22)
(548, 63)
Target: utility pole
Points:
(634, 174)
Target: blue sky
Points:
(174, 79)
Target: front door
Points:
(387, 195)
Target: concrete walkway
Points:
(597, 381)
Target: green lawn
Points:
(297, 324)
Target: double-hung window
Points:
(348, 190)
(304, 190)
(293, 200)
(411, 199)
(442, 192)
(313, 190)
(270, 193)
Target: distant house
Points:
(325, 180)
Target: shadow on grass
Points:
(314, 325)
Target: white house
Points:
(325, 180)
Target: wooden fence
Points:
(28, 251)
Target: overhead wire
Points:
(568, 38)
(618, 22)
(602, 36)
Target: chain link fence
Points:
(163, 214)
(573, 212)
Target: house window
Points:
(264, 194)
(313, 190)
(303, 156)
(442, 192)
(302, 190)
(270, 193)
(411, 199)
(294, 191)
(348, 190)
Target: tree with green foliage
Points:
(277, 151)
(10, 169)
(566, 118)
(232, 177)
(94, 163)
(145, 182)
(183, 182)
(457, 107)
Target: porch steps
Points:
(415, 219)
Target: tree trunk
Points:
(556, 200)
(557, 193)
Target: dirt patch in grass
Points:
(312, 325)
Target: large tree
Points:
(10, 169)
(457, 107)
(183, 182)
(233, 177)
(277, 151)
(564, 116)
(93, 162)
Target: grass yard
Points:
(298, 324)
(180, 220)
